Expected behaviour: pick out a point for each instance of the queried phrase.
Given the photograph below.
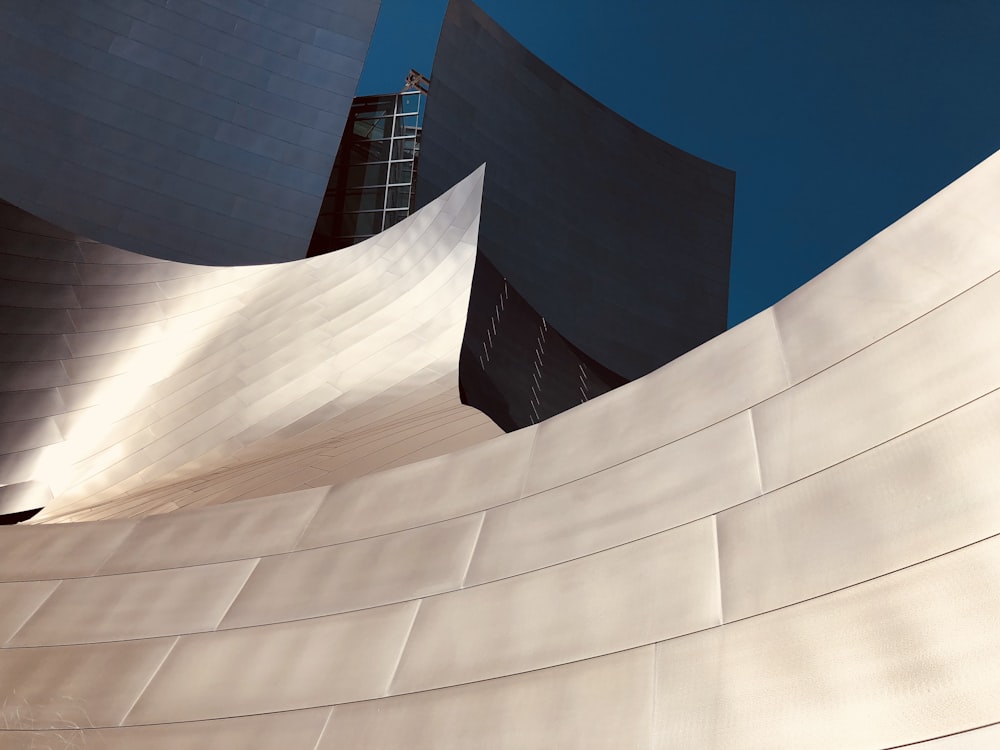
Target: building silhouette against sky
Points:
(261, 515)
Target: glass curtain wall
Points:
(371, 185)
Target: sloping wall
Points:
(194, 130)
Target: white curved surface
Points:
(781, 540)
(188, 370)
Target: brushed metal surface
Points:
(904, 380)
(986, 738)
(166, 365)
(367, 573)
(728, 374)
(290, 730)
(935, 252)
(688, 479)
(64, 687)
(899, 659)
(18, 602)
(48, 552)
(922, 494)
(135, 605)
(281, 667)
(227, 532)
(568, 612)
(200, 131)
(467, 481)
(596, 703)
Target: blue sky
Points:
(838, 116)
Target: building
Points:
(616, 243)
(201, 132)
(783, 538)
(371, 185)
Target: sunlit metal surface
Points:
(270, 378)
(777, 541)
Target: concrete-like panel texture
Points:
(196, 130)
(780, 540)
(620, 241)
(125, 379)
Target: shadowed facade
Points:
(620, 241)
(197, 131)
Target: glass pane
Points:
(361, 224)
(372, 129)
(364, 200)
(399, 197)
(362, 151)
(394, 217)
(411, 102)
(367, 175)
(378, 107)
(406, 125)
(401, 171)
(403, 149)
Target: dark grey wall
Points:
(195, 130)
(619, 240)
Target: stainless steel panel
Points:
(290, 730)
(292, 331)
(464, 482)
(596, 703)
(46, 552)
(925, 493)
(93, 343)
(106, 295)
(103, 319)
(33, 404)
(301, 664)
(226, 532)
(62, 687)
(18, 601)
(577, 610)
(135, 605)
(935, 252)
(986, 738)
(22, 496)
(28, 434)
(385, 569)
(717, 380)
(899, 659)
(939, 362)
(685, 480)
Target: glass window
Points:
(372, 130)
(364, 200)
(406, 125)
(403, 148)
(376, 107)
(401, 171)
(411, 102)
(394, 217)
(362, 151)
(366, 175)
(398, 197)
(361, 224)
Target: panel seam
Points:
(402, 649)
(472, 552)
(149, 681)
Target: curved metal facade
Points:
(787, 538)
(198, 130)
(620, 241)
(123, 378)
